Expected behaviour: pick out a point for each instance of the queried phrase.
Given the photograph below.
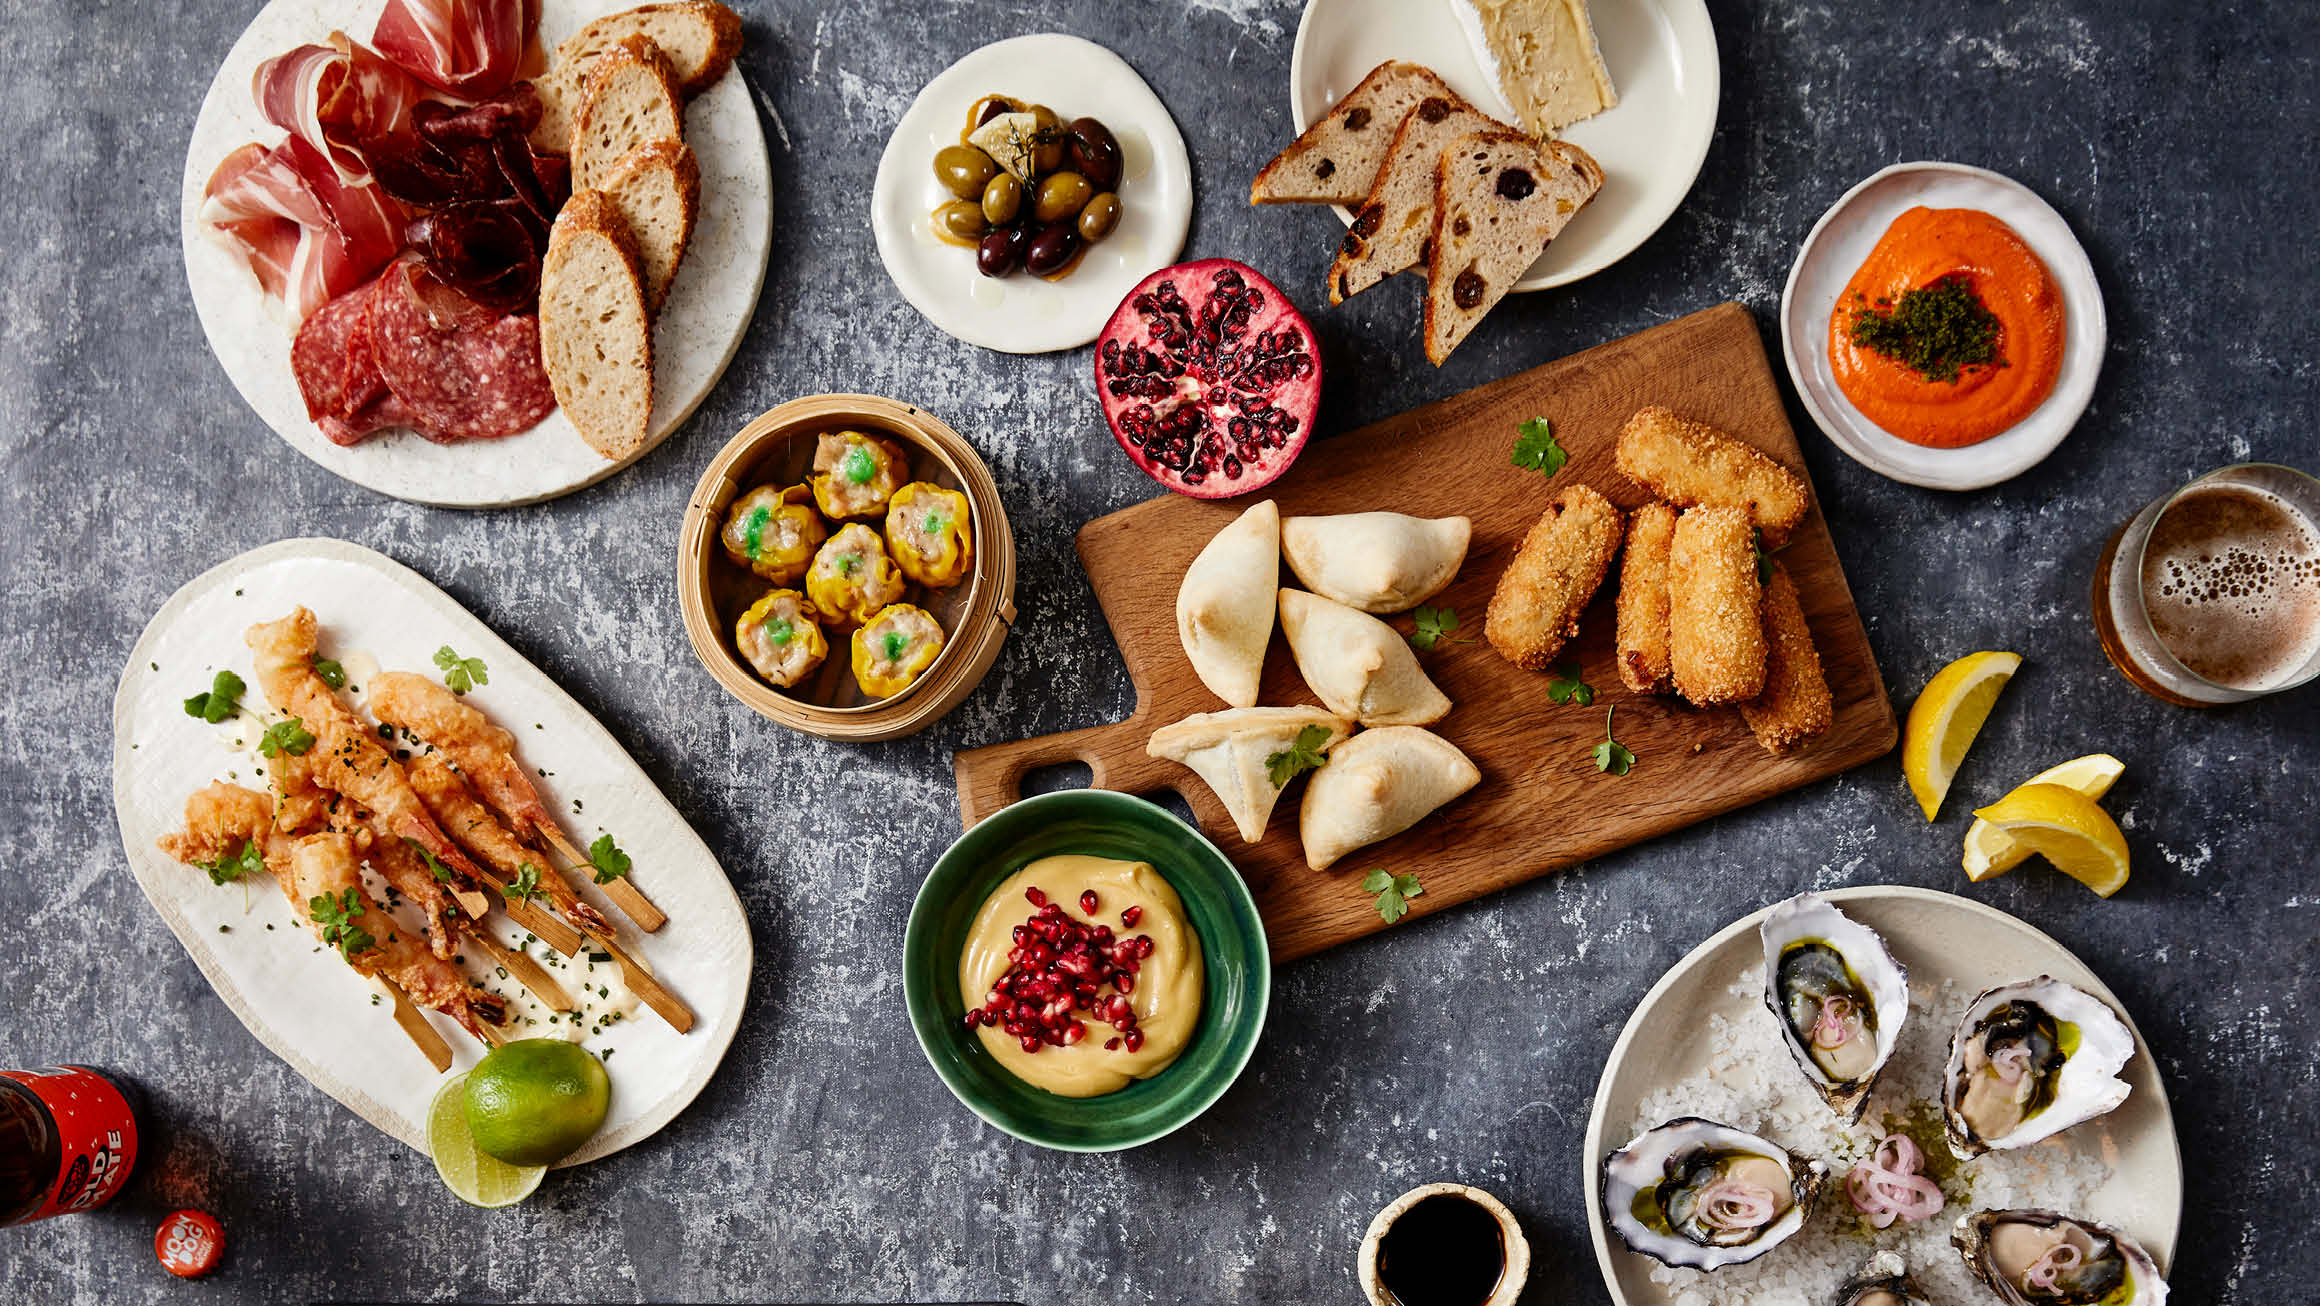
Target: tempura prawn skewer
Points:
(401, 866)
(302, 804)
(485, 753)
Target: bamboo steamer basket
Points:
(777, 448)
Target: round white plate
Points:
(1662, 55)
(305, 1005)
(708, 309)
(1022, 314)
(1937, 937)
(1840, 242)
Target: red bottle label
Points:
(96, 1134)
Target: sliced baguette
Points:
(1499, 198)
(1390, 227)
(700, 37)
(657, 188)
(595, 330)
(1337, 159)
(631, 101)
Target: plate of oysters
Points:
(1882, 1096)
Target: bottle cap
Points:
(189, 1243)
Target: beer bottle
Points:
(68, 1137)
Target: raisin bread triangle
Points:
(1337, 159)
(1391, 227)
(1499, 198)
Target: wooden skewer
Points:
(551, 931)
(624, 895)
(671, 1008)
(431, 1044)
(493, 1034)
(525, 971)
(471, 901)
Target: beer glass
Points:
(2211, 594)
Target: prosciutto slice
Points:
(309, 236)
(470, 48)
(341, 99)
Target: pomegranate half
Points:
(1209, 378)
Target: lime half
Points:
(536, 1100)
(478, 1178)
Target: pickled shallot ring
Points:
(1731, 1204)
(2051, 1265)
(1886, 1186)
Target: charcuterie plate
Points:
(332, 1025)
(708, 308)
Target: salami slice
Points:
(477, 377)
(381, 414)
(332, 357)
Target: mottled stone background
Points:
(824, 1162)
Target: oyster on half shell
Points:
(2030, 1060)
(1885, 1282)
(2040, 1258)
(1838, 994)
(1696, 1193)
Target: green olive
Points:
(1098, 217)
(1061, 195)
(1002, 199)
(960, 222)
(1050, 140)
(963, 170)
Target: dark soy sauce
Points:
(1445, 1251)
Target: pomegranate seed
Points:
(1038, 898)
(1129, 917)
(1111, 1045)
(1134, 1039)
(1125, 983)
(1073, 1033)
(974, 1017)
(1032, 1044)
(1088, 902)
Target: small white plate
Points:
(1840, 242)
(306, 1006)
(708, 309)
(1022, 314)
(1662, 55)
(1937, 937)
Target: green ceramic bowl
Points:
(1099, 823)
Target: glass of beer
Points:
(2211, 595)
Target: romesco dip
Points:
(1950, 332)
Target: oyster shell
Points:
(1840, 997)
(2030, 1060)
(2079, 1261)
(1696, 1193)
(1885, 1282)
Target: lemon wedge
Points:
(1944, 720)
(1991, 852)
(2068, 829)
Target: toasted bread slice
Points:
(1499, 198)
(1390, 228)
(1336, 161)
(700, 37)
(657, 188)
(631, 101)
(595, 330)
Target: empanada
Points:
(1376, 785)
(1357, 664)
(1231, 751)
(1224, 608)
(1378, 562)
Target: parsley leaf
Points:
(526, 885)
(288, 735)
(226, 870)
(435, 868)
(1434, 627)
(331, 672)
(1303, 755)
(610, 862)
(460, 674)
(1763, 559)
(1611, 755)
(1564, 685)
(1537, 450)
(337, 917)
(1393, 892)
(221, 701)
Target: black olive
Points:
(1095, 155)
(1001, 252)
(1051, 250)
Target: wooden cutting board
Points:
(1541, 805)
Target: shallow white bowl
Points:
(1840, 242)
(1022, 314)
(1651, 144)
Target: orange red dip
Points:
(1922, 247)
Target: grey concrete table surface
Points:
(824, 1162)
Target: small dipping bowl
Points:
(778, 449)
(1100, 823)
(1515, 1266)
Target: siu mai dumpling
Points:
(1376, 785)
(1376, 561)
(1357, 664)
(1232, 751)
(1224, 608)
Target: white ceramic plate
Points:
(1840, 242)
(1936, 937)
(1651, 144)
(708, 309)
(1022, 314)
(307, 1006)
